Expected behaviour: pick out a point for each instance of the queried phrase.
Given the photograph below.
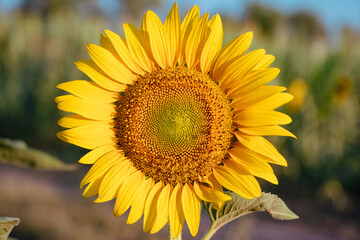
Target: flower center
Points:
(174, 124)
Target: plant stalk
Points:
(209, 234)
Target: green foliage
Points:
(239, 206)
(36, 55)
(266, 18)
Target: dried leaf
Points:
(239, 206)
(18, 153)
(6, 225)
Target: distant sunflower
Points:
(171, 118)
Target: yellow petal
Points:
(192, 208)
(216, 185)
(74, 120)
(265, 62)
(205, 181)
(89, 136)
(136, 48)
(193, 46)
(162, 212)
(209, 194)
(263, 147)
(241, 183)
(233, 50)
(100, 167)
(257, 117)
(234, 71)
(257, 171)
(252, 81)
(107, 44)
(123, 52)
(93, 188)
(253, 163)
(255, 97)
(137, 208)
(150, 207)
(96, 153)
(275, 101)
(86, 108)
(113, 179)
(176, 214)
(155, 30)
(172, 29)
(187, 25)
(97, 75)
(273, 130)
(127, 191)
(110, 65)
(88, 90)
(213, 43)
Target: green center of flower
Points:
(175, 125)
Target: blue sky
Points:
(334, 13)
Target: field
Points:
(322, 180)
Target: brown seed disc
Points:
(174, 124)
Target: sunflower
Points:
(171, 118)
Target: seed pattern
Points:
(174, 124)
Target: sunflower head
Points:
(171, 118)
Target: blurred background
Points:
(317, 48)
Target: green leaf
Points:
(18, 153)
(239, 206)
(6, 225)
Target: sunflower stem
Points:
(209, 234)
(171, 237)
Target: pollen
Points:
(174, 124)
